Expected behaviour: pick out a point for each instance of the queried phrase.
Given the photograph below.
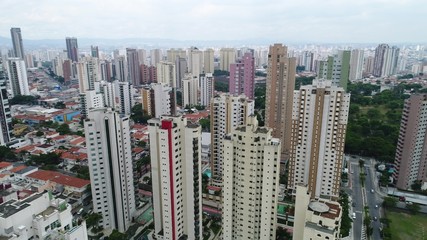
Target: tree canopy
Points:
(139, 115)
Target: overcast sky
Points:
(331, 21)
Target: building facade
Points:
(411, 152)
(175, 148)
(18, 77)
(190, 90)
(251, 182)
(356, 64)
(319, 123)
(18, 47)
(5, 113)
(227, 112)
(336, 68)
(242, 76)
(281, 72)
(134, 75)
(72, 49)
(227, 57)
(111, 168)
(206, 88)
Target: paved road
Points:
(373, 201)
(356, 194)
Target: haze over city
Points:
(331, 21)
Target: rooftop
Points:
(5, 164)
(13, 206)
(59, 178)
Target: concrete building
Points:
(134, 75)
(316, 218)
(206, 88)
(18, 47)
(94, 51)
(118, 96)
(227, 113)
(390, 60)
(195, 61)
(142, 56)
(319, 123)
(379, 59)
(39, 216)
(411, 152)
(166, 74)
(242, 76)
(208, 60)
(279, 94)
(173, 53)
(190, 90)
(251, 182)
(121, 69)
(155, 56)
(90, 99)
(336, 68)
(175, 150)
(156, 99)
(111, 168)
(5, 113)
(307, 60)
(87, 73)
(369, 65)
(227, 57)
(72, 49)
(356, 64)
(181, 70)
(18, 77)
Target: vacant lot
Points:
(404, 226)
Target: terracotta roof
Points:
(139, 126)
(18, 168)
(59, 178)
(196, 116)
(213, 188)
(77, 156)
(37, 152)
(138, 135)
(5, 164)
(3, 175)
(28, 148)
(137, 150)
(78, 141)
(60, 137)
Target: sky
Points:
(327, 21)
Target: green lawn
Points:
(382, 108)
(404, 226)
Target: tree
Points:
(59, 105)
(389, 202)
(416, 186)
(63, 129)
(205, 123)
(221, 86)
(39, 133)
(413, 208)
(7, 154)
(93, 219)
(139, 115)
(51, 159)
(116, 235)
(283, 234)
(22, 99)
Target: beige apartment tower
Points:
(279, 95)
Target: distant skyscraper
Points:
(181, 70)
(166, 74)
(145, 74)
(156, 100)
(242, 76)
(121, 69)
(5, 114)
(208, 60)
(379, 59)
(155, 56)
(336, 68)
(142, 55)
(369, 65)
(411, 158)
(391, 56)
(94, 52)
(18, 77)
(72, 49)
(190, 88)
(67, 70)
(319, 123)
(279, 94)
(251, 182)
(227, 113)
(173, 53)
(111, 168)
(195, 60)
(90, 100)
(18, 47)
(356, 64)
(227, 57)
(87, 72)
(133, 66)
(175, 150)
(206, 88)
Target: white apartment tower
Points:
(5, 114)
(356, 64)
(175, 148)
(91, 100)
(18, 77)
(87, 73)
(319, 123)
(251, 182)
(166, 75)
(190, 90)
(118, 95)
(110, 165)
(156, 99)
(206, 88)
(227, 56)
(208, 60)
(227, 113)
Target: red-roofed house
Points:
(78, 141)
(5, 166)
(59, 182)
(72, 158)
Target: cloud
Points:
(283, 20)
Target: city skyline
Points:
(330, 21)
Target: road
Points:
(373, 200)
(356, 193)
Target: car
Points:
(354, 204)
(372, 190)
(354, 215)
(375, 218)
(80, 211)
(376, 206)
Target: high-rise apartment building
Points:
(18, 77)
(173, 53)
(195, 61)
(307, 60)
(227, 113)
(316, 218)
(89, 100)
(166, 74)
(242, 76)
(72, 49)
(190, 88)
(156, 99)
(336, 68)
(379, 59)
(206, 88)
(175, 150)
(208, 60)
(369, 65)
(5, 114)
(155, 56)
(356, 64)
(121, 69)
(411, 153)
(391, 57)
(94, 51)
(110, 166)
(181, 70)
(142, 56)
(251, 182)
(227, 57)
(281, 72)
(134, 76)
(118, 96)
(87, 73)
(319, 123)
(18, 47)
